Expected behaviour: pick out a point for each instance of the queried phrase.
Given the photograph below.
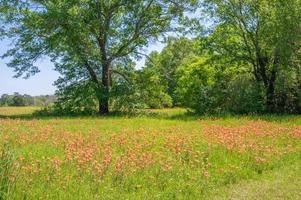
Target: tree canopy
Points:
(264, 34)
(86, 39)
(247, 60)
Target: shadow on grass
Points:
(179, 116)
(184, 115)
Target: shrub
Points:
(208, 88)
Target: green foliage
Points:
(75, 98)
(165, 63)
(263, 35)
(205, 87)
(125, 94)
(151, 89)
(86, 38)
(288, 91)
(196, 86)
(17, 99)
(245, 97)
(6, 100)
(247, 62)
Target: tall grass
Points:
(6, 170)
(168, 155)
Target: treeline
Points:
(17, 99)
(241, 56)
(190, 74)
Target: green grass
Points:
(6, 165)
(278, 184)
(161, 154)
(21, 111)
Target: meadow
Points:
(165, 154)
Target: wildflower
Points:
(56, 162)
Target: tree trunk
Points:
(268, 79)
(101, 88)
(270, 92)
(104, 106)
(270, 100)
(104, 101)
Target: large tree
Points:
(86, 38)
(263, 34)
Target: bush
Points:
(207, 88)
(245, 96)
(151, 90)
(197, 87)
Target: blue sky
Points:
(41, 83)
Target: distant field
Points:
(169, 157)
(10, 111)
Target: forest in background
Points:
(17, 99)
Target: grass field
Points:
(163, 155)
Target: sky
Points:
(41, 83)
